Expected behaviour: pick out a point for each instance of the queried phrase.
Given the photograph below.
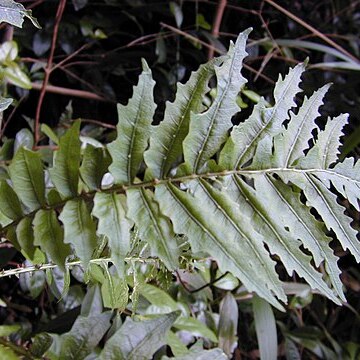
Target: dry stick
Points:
(69, 92)
(217, 23)
(48, 69)
(312, 29)
(193, 38)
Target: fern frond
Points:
(243, 196)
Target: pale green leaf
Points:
(65, 172)
(79, 229)
(5, 103)
(110, 211)
(160, 298)
(94, 165)
(133, 130)
(326, 149)
(138, 340)
(46, 129)
(228, 324)
(208, 130)
(177, 347)
(345, 176)
(27, 176)
(84, 336)
(256, 205)
(263, 121)
(9, 202)
(16, 76)
(14, 13)
(49, 235)
(195, 327)
(324, 201)
(115, 292)
(167, 138)
(154, 228)
(217, 226)
(265, 329)
(291, 143)
(213, 354)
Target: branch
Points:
(217, 23)
(48, 70)
(68, 265)
(69, 92)
(313, 30)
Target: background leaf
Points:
(138, 339)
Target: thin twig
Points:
(193, 38)
(48, 70)
(70, 92)
(217, 23)
(99, 123)
(312, 29)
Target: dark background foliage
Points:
(99, 49)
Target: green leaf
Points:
(115, 292)
(16, 76)
(40, 344)
(49, 235)
(14, 13)
(9, 202)
(154, 228)
(7, 353)
(133, 130)
(208, 130)
(45, 129)
(92, 303)
(291, 144)
(195, 327)
(167, 138)
(324, 201)
(161, 299)
(110, 211)
(256, 203)
(213, 354)
(94, 165)
(177, 347)
(27, 176)
(263, 121)
(65, 172)
(5, 103)
(326, 149)
(25, 237)
(137, 340)
(84, 336)
(79, 229)
(214, 225)
(265, 329)
(6, 330)
(228, 324)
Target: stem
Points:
(68, 92)
(48, 70)
(217, 23)
(193, 38)
(312, 29)
(68, 265)
(121, 189)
